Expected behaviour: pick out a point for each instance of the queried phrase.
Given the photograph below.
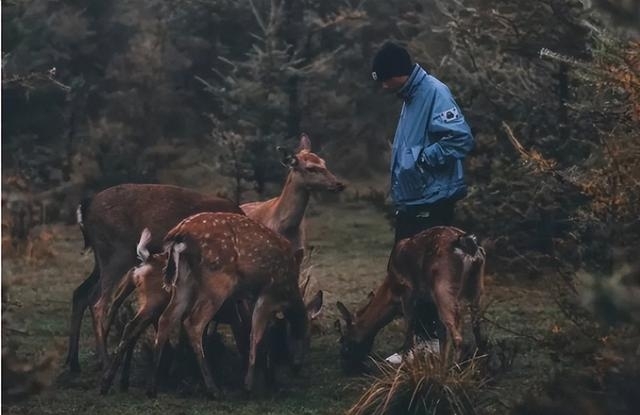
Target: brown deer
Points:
(285, 214)
(126, 211)
(111, 223)
(442, 264)
(146, 279)
(213, 257)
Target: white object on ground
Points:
(428, 346)
(394, 359)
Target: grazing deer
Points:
(146, 280)
(285, 214)
(213, 257)
(441, 264)
(111, 223)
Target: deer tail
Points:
(467, 243)
(176, 264)
(81, 214)
(473, 258)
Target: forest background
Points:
(200, 92)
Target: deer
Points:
(111, 223)
(284, 214)
(442, 264)
(126, 213)
(214, 257)
(146, 280)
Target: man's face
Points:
(394, 83)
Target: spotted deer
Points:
(112, 220)
(285, 214)
(146, 280)
(213, 257)
(111, 223)
(441, 264)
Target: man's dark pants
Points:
(409, 222)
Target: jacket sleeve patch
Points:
(449, 115)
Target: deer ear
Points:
(314, 307)
(338, 326)
(305, 143)
(346, 315)
(141, 249)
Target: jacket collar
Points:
(409, 88)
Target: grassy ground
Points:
(351, 243)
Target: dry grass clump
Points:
(423, 386)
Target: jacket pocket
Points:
(412, 180)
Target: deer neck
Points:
(378, 313)
(290, 206)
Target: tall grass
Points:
(423, 385)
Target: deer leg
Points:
(475, 304)
(112, 273)
(449, 313)
(126, 366)
(153, 315)
(261, 315)
(408, 311)
(130, 335)
(474, 308)
(269, 361)
(125, 288)
(82, 297)
(220, 289)
(101, 341)
(169, 319)
(195, 325)
(241, 327)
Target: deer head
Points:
(354, 347)
(358, 331)
(309, 169)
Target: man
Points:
(430, 144)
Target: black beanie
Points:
(391, 60)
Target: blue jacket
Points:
(431, 141)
